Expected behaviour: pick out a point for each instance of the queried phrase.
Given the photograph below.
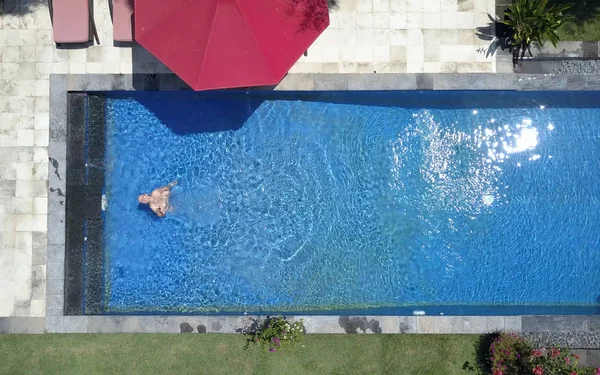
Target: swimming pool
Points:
(378, 202)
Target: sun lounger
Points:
(122, 11)
(71, 21)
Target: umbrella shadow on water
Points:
(200, 112)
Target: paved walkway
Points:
(364, 36)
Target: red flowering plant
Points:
(509, 354)
(554, 362)
(276, 333)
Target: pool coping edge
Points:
(56, 321)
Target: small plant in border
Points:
(509, 354)
(555, 362)
(534, 21)
(277, 333)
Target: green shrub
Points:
(509, 354)
(277, 333)
(534, 21)
(557, 361)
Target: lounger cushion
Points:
(123, 20)
(71, 21)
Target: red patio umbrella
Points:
(214, 44)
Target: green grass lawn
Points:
(585, 20)
(87, 354)
(587, 31)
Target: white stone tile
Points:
(8, 223)
(347, 67)
(77, 55)
(464, 20)
(381, 38)
(110, 68)
(40, 154)
(346, 6)
(43, 70)
(62, 55)
(42, 20)
(381, 5)
(7, 307)
(448, 37)
(448, 53)
(432, 6)
(11, 55)
(111, 55)
(331, 54)
(414, 54)
(23, 206)
(481, 20)
(431, 20)
(414, 37)
(40, 223)
(415, 5)
(9, 138)
(125, 68)
(398, 21)
(40, 189)
(44, 38)
(364, 5)
(23, 188)
(28, 38)
(465, 53)
(448, 5)
(9, 71)
(38, 308)
(25, 137)
(44, 54)
(77, 68)
(10, 38)
(414, 67)
(40, 206)
(42, 104)
(364, 54)
(41, 138)
(347, 21)
(448, 67)
(7, 291)
(447, 20)
(42, 87)
(398, 6)
(330, 68)
(364, 20)
(398, 37)
(432, 67)
(25, 172)
(126, 53)
(8, 121)
(26, 121)
(23, 282)
(334, 20)
(60, 68)
(26, 71)
(381, 21)
(23, 240)
(8, 171)
(41, 121)
(381, 54)
(364, 37)
(414, 20)
(484, 6)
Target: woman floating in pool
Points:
(158, 200)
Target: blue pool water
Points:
(353, 201)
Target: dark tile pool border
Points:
(584, 330)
